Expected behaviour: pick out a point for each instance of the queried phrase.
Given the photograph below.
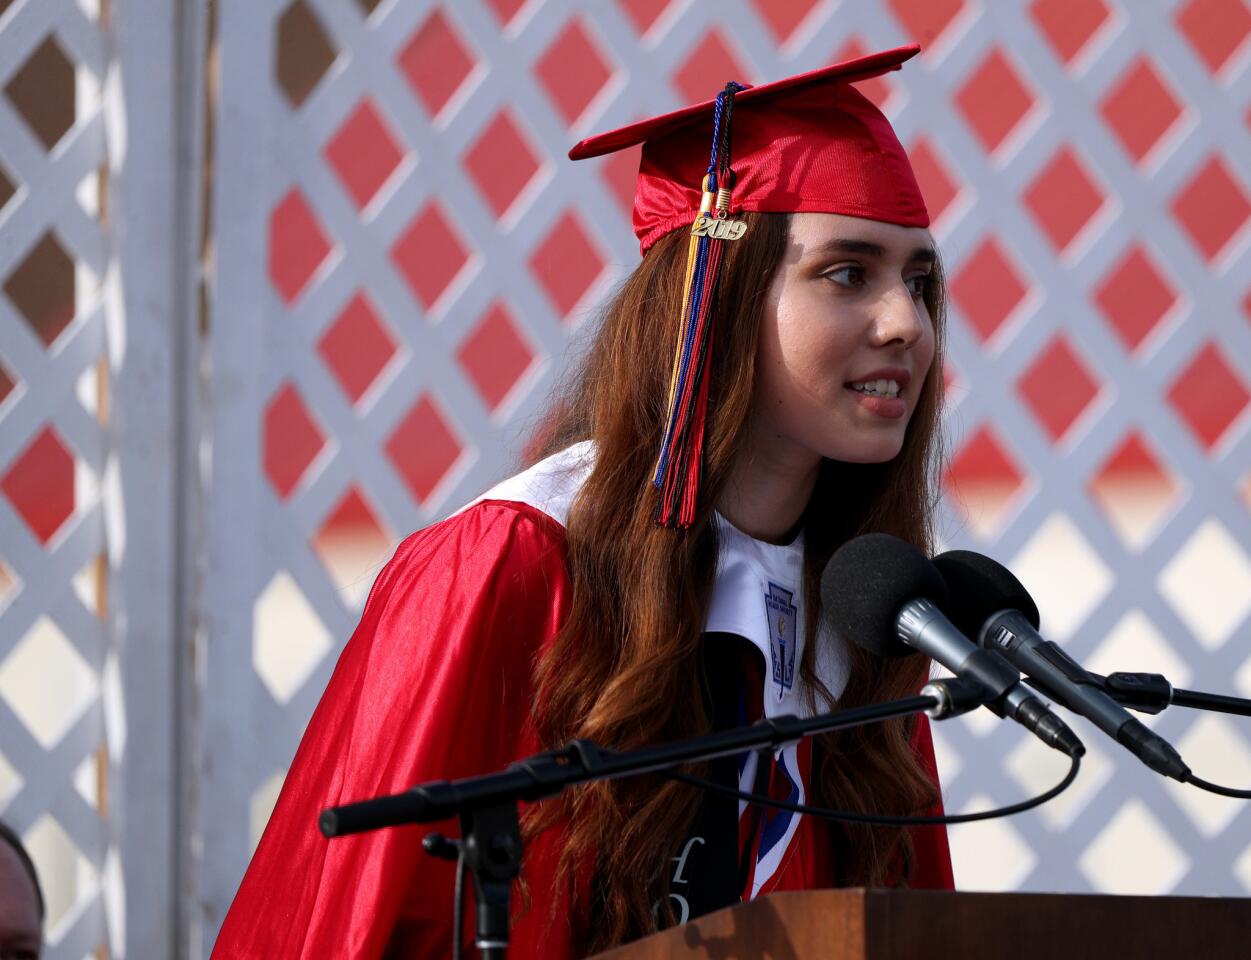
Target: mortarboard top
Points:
(811, 142)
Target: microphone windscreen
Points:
(866, 583)
(981, 587)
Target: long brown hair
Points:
(625, 670)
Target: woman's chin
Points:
(878, 451)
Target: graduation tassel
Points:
(680, 463)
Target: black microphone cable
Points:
(1217, 788)
(1075, 763)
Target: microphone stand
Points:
(487, 805)
(1151, 693)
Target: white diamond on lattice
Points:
(261, 805)
(87, 388)
(1134, 645)
(1215, 751)
(10, 782)
(112, 704)
(68, 878)
(1242, 868)
(948, 758)
(1242, 679)
(288, 640)
(89, 583)
(1038, 769)
(1065, 576)
(47, 682)
(993, 857)
(1208, 583)
(87, 778)
(1133, 854)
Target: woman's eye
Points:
(851, 275)
(919, 284)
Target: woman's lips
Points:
(891, 408)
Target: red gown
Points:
(435, 684)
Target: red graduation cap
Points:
(809, 143)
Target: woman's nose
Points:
(900, 319)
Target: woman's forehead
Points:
(819, 233)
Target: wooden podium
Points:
(860, 924)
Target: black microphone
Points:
(884, 595)
(990, 604)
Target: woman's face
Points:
(845, 341)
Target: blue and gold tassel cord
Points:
(680, 464)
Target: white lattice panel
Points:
(54, 651)
(403, 256)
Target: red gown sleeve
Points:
(932, 856)
(435, 683)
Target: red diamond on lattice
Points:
(1246, 304)
(1058, 387)
(495, 356)
(505, 10)
(924, 21)
(573, 70)
(356, 347)
(501, 163)
(291, 440)
(39, 483)
(878, 89)
(1069, 25)
(436, 62)
(1209, 395)
(643, 13)
(987, 288)
(620, 172)
(1064, 197)
(429, 255)
(994, 100)
(983, 479)
(1216, 29)
(708, 68)
(423, 448)
(783, 16)
(297, 245)
(1134, 489)
(364, 152)
(566, 263)
(938, 185)
(1140, 109)
(1134, 296)
(350, 544)
(1212, 207)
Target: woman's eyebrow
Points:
(870, 249)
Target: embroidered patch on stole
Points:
(782, 639)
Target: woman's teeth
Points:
(878, 388)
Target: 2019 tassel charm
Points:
(679, 466)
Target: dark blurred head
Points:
(21, 900)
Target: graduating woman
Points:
(655, 574)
